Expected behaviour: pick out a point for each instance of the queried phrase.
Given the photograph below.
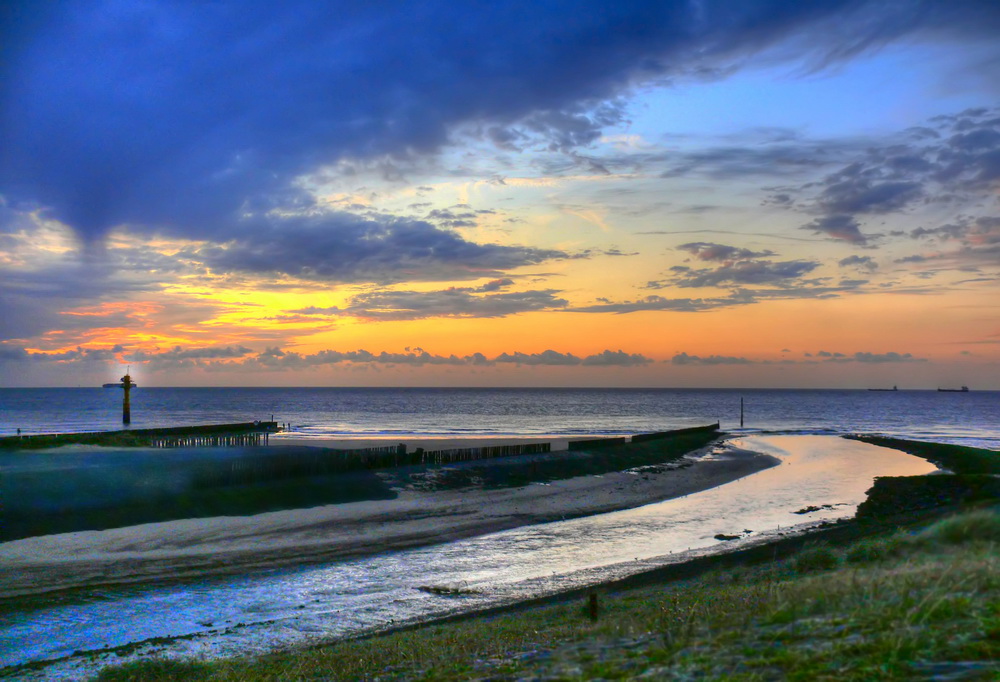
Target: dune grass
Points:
(896, 606)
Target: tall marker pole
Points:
(741, 412)
(127, 403)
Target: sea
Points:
(297, 606)
(971, 418)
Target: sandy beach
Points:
(190, 548)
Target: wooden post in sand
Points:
(741, 413)
(592, 607)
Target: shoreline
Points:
(288, 438)
(177, 551)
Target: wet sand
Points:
(192, 548)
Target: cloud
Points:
(736, 297)
(617, 358)
(342, 247)
(842, 227)
(738, 267)
(966, 243)
(453, 302)
(185, 357)
(548, 357)
(656, 303)
(867, 357)
(846, 192)
(956, 163)
(77, 355)
(752, 272)
(186, 118)
(756, 159)
(863, 263)
(886, 357)
(685, 359)
(720, 252)
(279, 359)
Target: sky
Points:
(713, 193)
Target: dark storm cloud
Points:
(187, 117)
(342, 247)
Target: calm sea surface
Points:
(969, 418)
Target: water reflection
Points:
(263, 611)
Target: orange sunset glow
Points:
(784, 212)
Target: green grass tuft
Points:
(156, 670)
(874, 549)
(977, 526)
(815, 558)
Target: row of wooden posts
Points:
(267, 465)
(222, 440)
(270, 465)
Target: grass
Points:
(895, 606)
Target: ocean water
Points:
(967, 418)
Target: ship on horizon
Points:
(894, 388)
(964, 389)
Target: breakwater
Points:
(308, 461)
(205, 435)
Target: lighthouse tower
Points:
(126, 403)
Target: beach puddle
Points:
(252, 614)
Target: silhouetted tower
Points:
(126, 402)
